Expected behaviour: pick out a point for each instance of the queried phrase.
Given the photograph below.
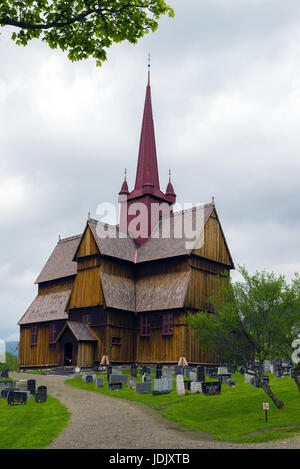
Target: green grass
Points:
(236, 415)
(31, 426)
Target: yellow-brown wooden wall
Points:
(42, 354)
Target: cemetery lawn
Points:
(236, 415)
(31, 426)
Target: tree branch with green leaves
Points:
(83, 28)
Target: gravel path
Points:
(102, 422)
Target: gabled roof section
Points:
(149, 293)
(81, 331)
(47, 308)
(60, 263)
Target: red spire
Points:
(170, 193)
(147, 170)
(124, 188)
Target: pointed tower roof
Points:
(124, 188)
(147, 169)
(147, 177)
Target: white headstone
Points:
(180, 385)
(196, 387)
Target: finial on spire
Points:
(170, 174)
(213, 200)
(149, 66)
(89, 215)
(125, 172)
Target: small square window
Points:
(116, 340)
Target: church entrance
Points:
(68, 354)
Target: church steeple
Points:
(147, 171)
(146, 193)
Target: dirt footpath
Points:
(102, 422)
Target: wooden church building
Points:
(125, 296)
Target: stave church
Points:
(121, 294)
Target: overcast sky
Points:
(225, 77)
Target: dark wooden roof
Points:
(47, 308)
(81, 331)
(60, 263)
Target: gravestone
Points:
(4, 384)
(89, 379)
(100, 382)
(200, 374)
(180, 385)
(115, 386)
(17, 397)
(178, 370)
(116, 371)
(223, 378)
(108, 372)
(193, 375)
(4, 372)
(143, 388)
(133, 370)
(158, 370)
(123, 379)
(31, 384)
(231, 383)
(267, 366)
(41, 394)
(166, 373)
(196, 387)
(187, 385)
(211, 388)
(212, 372)
(132, 381)
(161, 385)
(223, 370)
(21, 385)
(170, 382)
(147, 378)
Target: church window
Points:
(145, 326)
(52, 333)
(168, 324)
(86, 318)
(33, 335)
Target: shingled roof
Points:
(165, 241)
(81, 331)
(60, 263)
(149, 293)
(47, 308)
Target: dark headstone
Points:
(200, 374)
(187, 385)
(100, 382)
(41, 394)
(4, 372)
(89, 379)
(143, 388)
(158, 371)
(115, 386)
(108, 372)
(133, 370)
(123, 379)
(178, 370)
(17, 397)
(211, 388)
(31, 384)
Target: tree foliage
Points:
(84, 28)
(256, 320)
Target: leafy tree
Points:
(84, 28)
(256, 320)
